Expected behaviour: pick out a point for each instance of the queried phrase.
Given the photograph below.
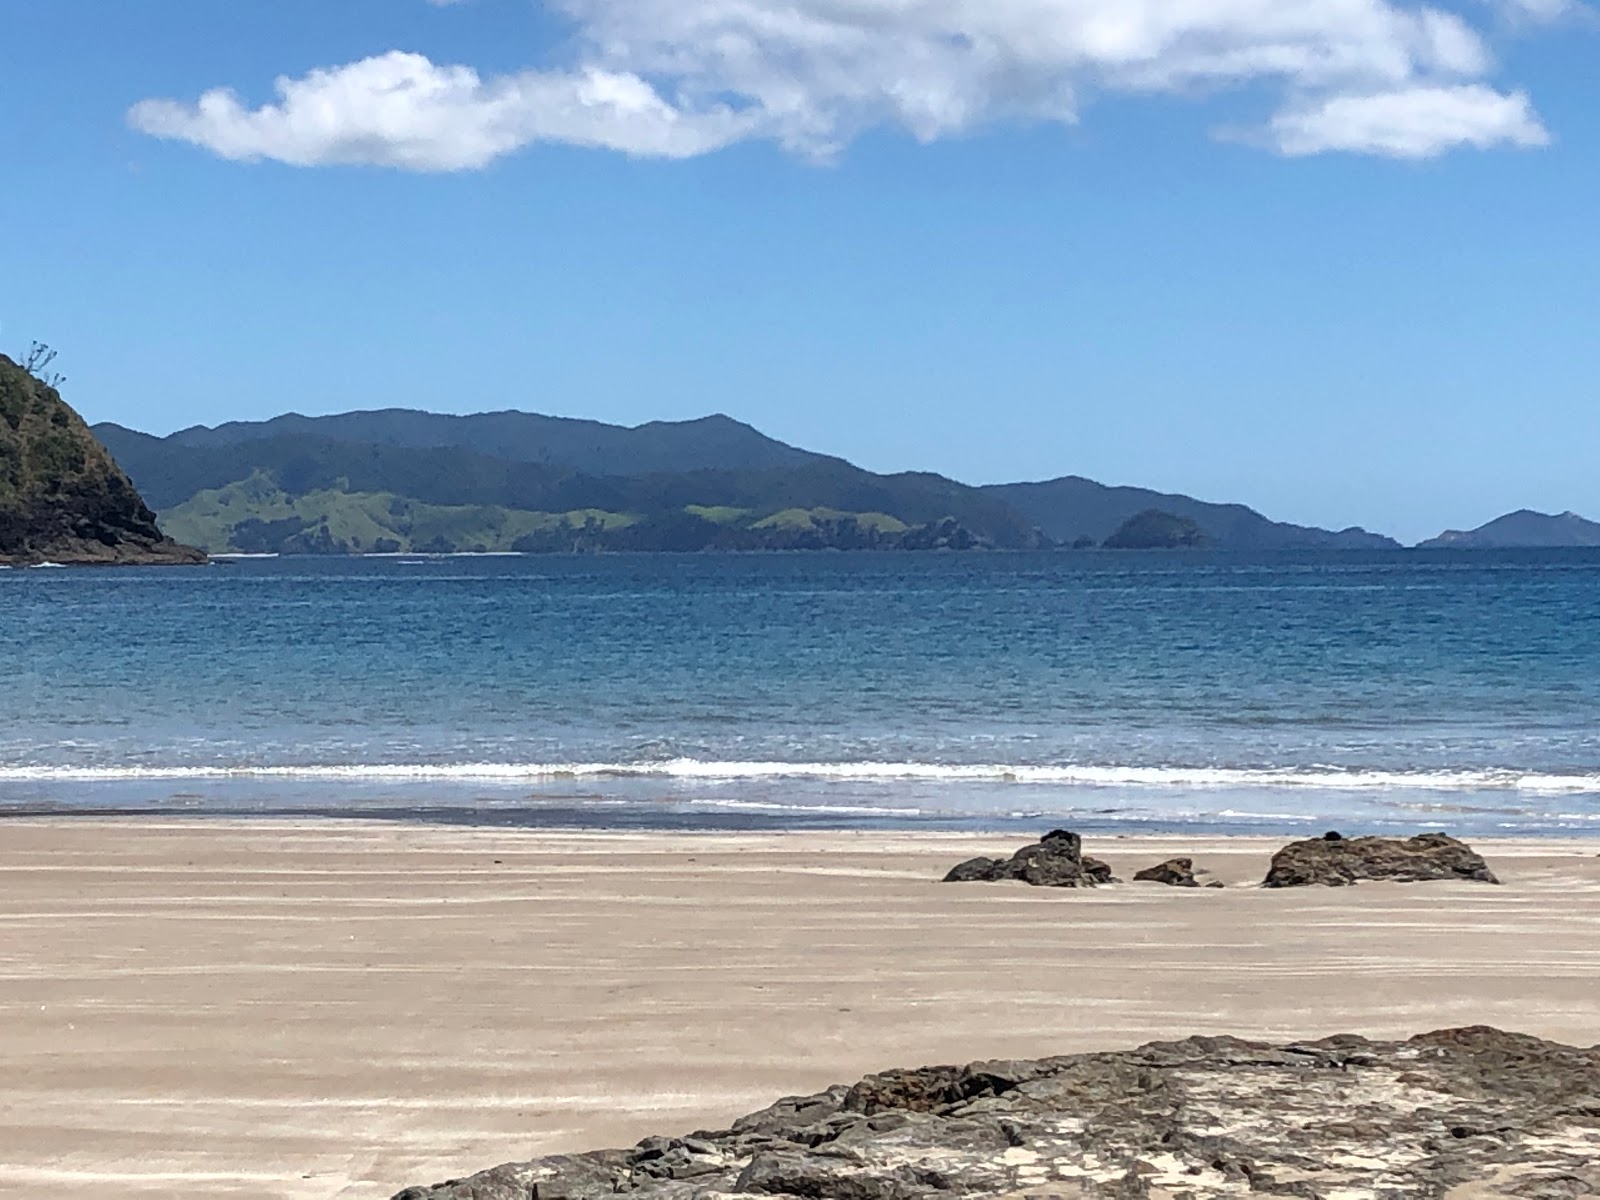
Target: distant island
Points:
(1523, 529)
(1153, 529)
(1077, 511)
(62, 498)
(400, 481)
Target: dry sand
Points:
(275, 1009)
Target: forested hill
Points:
(397, 480)
(297, 492)
(592, 447)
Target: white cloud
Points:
(674, 78)
(1416, 122)
(400, 110)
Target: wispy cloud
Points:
(675, 78)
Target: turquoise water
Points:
(1396, 690)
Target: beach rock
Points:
(1056, 860)
(1175, 872)
(1336, 861)
(1460, 1112)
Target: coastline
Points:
(705, 817)
(299, 1009)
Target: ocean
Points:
(1381, 692)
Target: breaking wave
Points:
(690, 770)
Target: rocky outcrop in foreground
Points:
(1490, 1113)
(1056, 860)
(62, 497)
(1336, 861)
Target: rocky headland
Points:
(1464, 1113)
(62, 497)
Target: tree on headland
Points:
(37, 363)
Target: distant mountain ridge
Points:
(403, 480)
(369, 493)
(1523, 529)
(716, 442)
(1073, 510)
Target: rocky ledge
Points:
(1462, 1113)
(1056, 860)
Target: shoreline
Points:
(788, 824)
(336, 1009)
(1123, 847)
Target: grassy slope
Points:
(309, 479)
(256, 515)
(363, 521)
(812, 518)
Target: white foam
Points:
(1326, 778)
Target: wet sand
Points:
(276, 1010)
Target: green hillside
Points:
(399, 480)
(256, 516)
(294, 493)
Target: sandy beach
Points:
(273, 1009)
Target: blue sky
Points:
(1333, 258)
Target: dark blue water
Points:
(1399, 690)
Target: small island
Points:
(1153, 529)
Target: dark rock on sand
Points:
(1337, 861)
(1056, 860)
(1175, 872)
(1489, 1113)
